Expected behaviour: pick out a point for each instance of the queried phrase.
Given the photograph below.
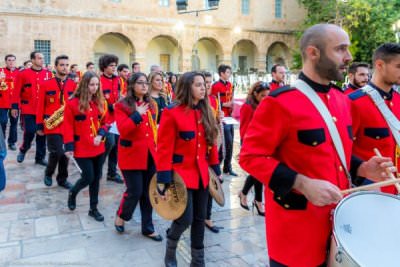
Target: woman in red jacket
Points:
(85, 125)
(136, 117)
(187, 145)
(257, 92)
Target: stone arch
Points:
(166, 51)
(207, 54)
(244, 56)
(278, 53)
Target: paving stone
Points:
(22, 230)
(46, 226)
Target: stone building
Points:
(250, 35)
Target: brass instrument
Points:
(3, 84)
(55, 119)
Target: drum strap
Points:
(327, 117)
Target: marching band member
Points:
(257, 92)
(55, 92)
(90, 66)
(225, 89)
(156, 91)
(187, 145)
(358, 76)
(7, 84)
(294, 156)
(25, 97)
(110, 87)
(370, 128)
(86, 123)
(123, 73)
(135, 67)
(136, 116)
(278, 73)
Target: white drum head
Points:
(367, 227)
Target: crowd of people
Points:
(162, 123)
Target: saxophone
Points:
(55, 119)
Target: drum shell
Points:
(338, 257)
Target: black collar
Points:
(59, 80)
(384, 95)
(109, 77)
(352, 86)
(36, 69)
(320, 88)
(223, 82)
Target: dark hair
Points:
(355, 65)
(73, 66)
(28, 61)
(184, 96)
(130, 100)
(60, 57)
(207, 74)
(386, 52)
(33, 54)
(222, 68)
(106, 60)
(122, 66)
(274, 67)
(257, 88)
(134, 64)
(82, 92)
(9, 55)
(89, 64)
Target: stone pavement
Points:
(37, 229)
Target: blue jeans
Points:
(5, 115)
(29, 122)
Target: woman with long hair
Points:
(187, 145)
(85, 125)
(157, 93)
(136, 117)
(173, 79)
(257, 92)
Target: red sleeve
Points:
(256, 155)
(40, 107)
(215, 90)
(16, 95)
(126, 124)
(246, 113)
(355, 115)
(68, 125)
(105, 121)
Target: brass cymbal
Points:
(215, 188)
(176, 202)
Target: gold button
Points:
(334, 119)
(147, 124)
(378, 137)
(199, 145)
(328, 96)
(391, 104)
(385, 97)
(315, 143)
(340, 168)
(199, 134)
(278, 198)
(198, 157)
(354, 138)
(286, 206)
(147, 135)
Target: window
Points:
(245, 7)
(278, 9)
(206, 4)
(163, 2)
(165, 62)
(44, 47)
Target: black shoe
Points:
(66, 185)
(115, 178)
(119, 228)
(157, 238)
(232, 173)
(96, 215)
(213, 228)
(48, 180)
(240, 202)
(20, 157)
(12, 147)
(71, 200)
(41, 162)
(261, 213)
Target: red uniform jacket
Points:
(350, 89)
(214, 105)
(9, 84)
(27, 89)
(182, 147)
(225, 90)
(137, 137)
(370, 128)
(110, 87)
(80, 129)
(273, 85)
(246, 114)
(123, 86)
(170, 93)
(296, 140)
(54, 94)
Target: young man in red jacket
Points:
(358, 76)
(278, 73)
(52, 97)
(7, 84)
(25, 97)
(298, 163)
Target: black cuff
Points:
(282, 180)
(39, 127)
(136, 117)
(217, 169)
(102, 132)
(14, 106)
(164, 177)
(355, 163)
(69, 146)
(110, 107)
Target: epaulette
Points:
(172, 105)
(357, 94)
(281, 90)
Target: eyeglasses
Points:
(143, 83)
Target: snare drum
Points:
(366, 231)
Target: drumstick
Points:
(371, 186)
(391, 175)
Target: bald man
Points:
(298, 162)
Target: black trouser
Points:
(194, 215)
(29, 123)
(5, 115)
(137, 189)
(273, 263)
(91, 174)
(209, 207)
(250, 181)
(56, 156)
(228, 135)
(112, 153)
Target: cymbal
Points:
(173, 207)
(215, 188)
